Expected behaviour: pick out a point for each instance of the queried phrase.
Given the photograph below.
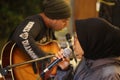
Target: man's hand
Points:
(65, 61)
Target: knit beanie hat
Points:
(56, 9)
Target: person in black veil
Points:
(100, 52)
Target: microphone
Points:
(68, 38)
(66, 53)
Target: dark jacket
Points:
(30, 31)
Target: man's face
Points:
(59, 24)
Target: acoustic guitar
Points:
(12, 54)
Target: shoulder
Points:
(112, 71)
(36, 17)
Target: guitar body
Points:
(11, 55)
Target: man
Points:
(41, 27)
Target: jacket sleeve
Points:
(25, 35)
(64, 74)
